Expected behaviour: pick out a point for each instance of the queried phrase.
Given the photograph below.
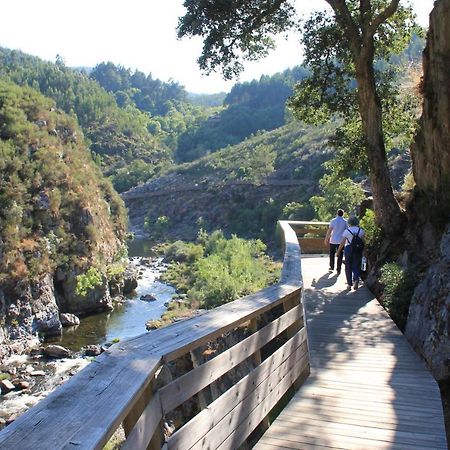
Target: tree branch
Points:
(389, 11)
(345, 20)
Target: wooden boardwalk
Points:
(367, 389)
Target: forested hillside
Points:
(116, 136)
(136, 126)
(242, 189)
(59, 219)
(249, 107)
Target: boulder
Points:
(130, 280)
(6, 386)
(148, 298)
(92, 350)
(153, 324)
(37, 373)
(22, 385)
(44, 308)
(56, 351)
(97, 299)
(69, 320)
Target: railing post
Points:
(258, 360)
(133, 416)
(288, 304)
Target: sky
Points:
(137, 34)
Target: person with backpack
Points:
(334, 237)
(353, 245)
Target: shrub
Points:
(184, 252)
(374, 234)
(399, 284)
(297, 211)
(217, 270)
(88, 281)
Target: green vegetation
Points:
(399, 284)
(116, 135)
(217, 270)
(374, 234)
(57, 208)
(150, 95)
(336, 194)
(297, 211)
(88, 281)
(292, 152)
(250, 107)
(156, 229)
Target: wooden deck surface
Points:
(367, 388)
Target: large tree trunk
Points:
(387, 210)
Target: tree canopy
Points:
(342, 47)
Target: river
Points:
(128, 319)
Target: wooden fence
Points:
(207, 382)
(311, 236)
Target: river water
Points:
(128, 319)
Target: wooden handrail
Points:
(311, 235)
(123, 385)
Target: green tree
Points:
(342, 51)
(336, 194)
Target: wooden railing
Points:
(311, 235)
(177, 375)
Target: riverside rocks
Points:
(69, 320)
(37, 374)
(56, 351)
(32, 377)
(148, 298)
(93, 350)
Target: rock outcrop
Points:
(428, 325)
(60, 218)
(431, 151)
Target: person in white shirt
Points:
(353, 255)
(334, 237)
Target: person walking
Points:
(353, 245)
(334, 237)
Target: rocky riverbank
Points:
(27, 378)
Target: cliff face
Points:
(428, 325)
(430, 153)
(58, 218)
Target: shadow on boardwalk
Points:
(367, 388)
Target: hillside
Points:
(116, 135)
(241, 189)
(59, 219)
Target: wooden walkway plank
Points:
(367, 389)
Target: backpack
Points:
(357, 244)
